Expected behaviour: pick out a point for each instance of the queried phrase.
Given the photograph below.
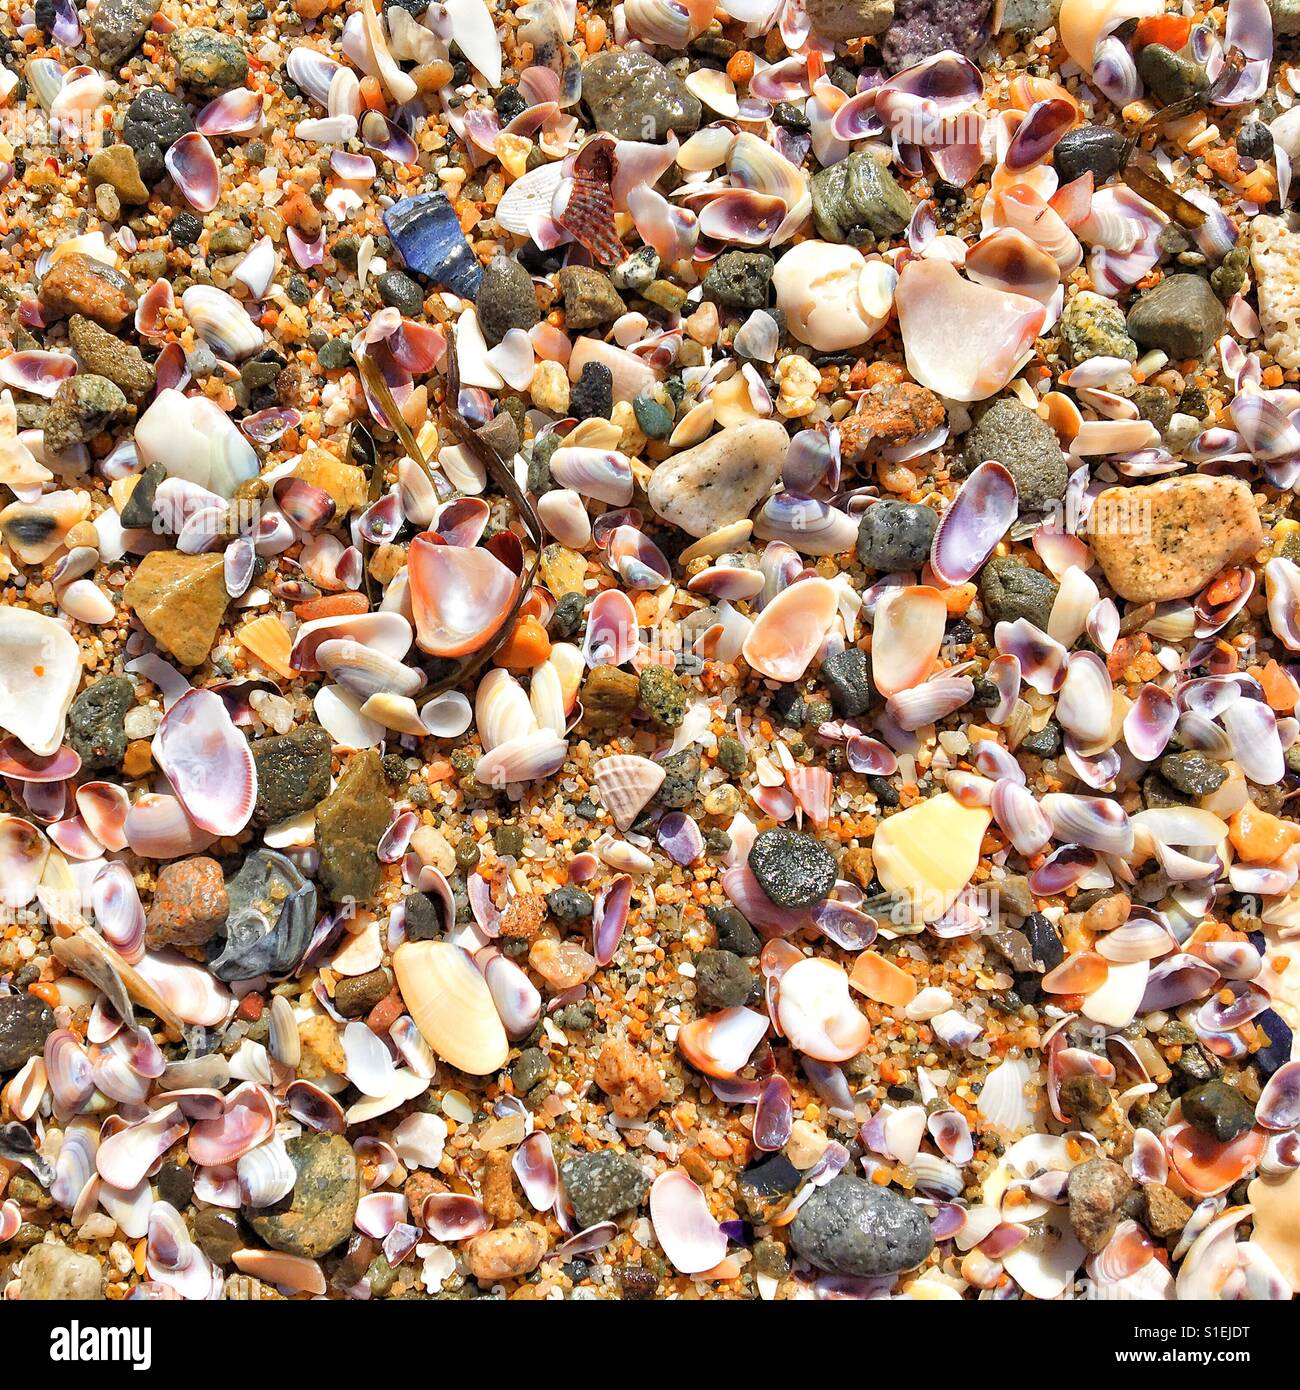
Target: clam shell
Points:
(222, 322)
(208, 762)
(452, 1005)
(626, 783)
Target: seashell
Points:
(208, 762)
(195, 171)
(613, 632)
(1206, 1166)
(817, 288)
(719, 1044)
(1040, 659)
(195, 439)
(221, 321)
(1280, 1099)
(316, 1109)
(453, 1216)
(637, 559)
(451, 1004)
(1003, 1100)
(369, 1064)
(683, 1224)
(293, 1273)
(517, 1001)
(816, 1013)
(534, 1165)
(266, 1174)
(791, 628)
(39, 672)
(236, 112)
(247, 1120)
(929, 702)
(124, 1158)
(602, 474)
(564, 515)
(118, 911)
(365, 670)
(810, 526)
(609, 917)
(985, 507)
(908, 633)
(37, 373)
(626, 783)
(460, 595)
(935, 306)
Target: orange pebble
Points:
(46, 992)
(741, 66)
(1172, 30)
(1258, 837)
(372, 94)
(526, 647)
(1280, 689)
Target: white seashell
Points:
(528, 196)
(1115, 1003)
(266, 1174)
(339, 712)
(626, 784)
(40, 667)
(602, 474)
(817, 1013)
(475, 35)
(501, 710)
(418, 1141)
(817, 288)
(448, 715)
(365, 670)
(85, 601)
(472, 354)
(196, 441)
(1003, 1100)
(369, 1066)
(564, 514)
(684, 1225)
(222, 322)
(397, 712)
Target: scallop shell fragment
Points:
(626, 784)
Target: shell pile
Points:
(649, 650)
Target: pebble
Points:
(400, 292)
(721, 480)
(1254, 140)
(106, 356)
(888, 415)
(1181, 316)
(850, 19)
(116, 166)
(859, 1229)
(591, 397)
(609, 696)
(180, 600)
(633, 97)
(318, 1214)
(590, 298)
(208, 62)
(794, 870)
(25, 1023)
(1097, 1189)
(155, 120)
(1094, 326)
(1168, 539)
(733, 933)
(189, 905)
(531, 1066)
(77, 284)
(653, 417)
(84, 406)
(217, 1234)
(662, 696)
(505, 300)
(569, 905)
(922, 28)
(740, 279)
(638, 270)
(1169, 77)
(1088, 148)
(896, 535)
(722, 980)
(175, 1185)
(422, 920)
(549, 388)
(847, 678)
(55, 1273)
(1164, 1213)
(96, 728)
(602, 1185)
(117, 26)
(1192, 773)
(858, 196)
(507, 1253)
(356, 995)
(681, 779)
(562, 570)
(349, 824)
(1027, 446)
(1011, 589)
(1218, 1110)
(293, 773)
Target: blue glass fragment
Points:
(427, 233)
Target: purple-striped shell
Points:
(980, 515)
(534, 1165)
(36, 372)
(194, 168)
(1150, 722)
(1278, 1107)
(1036, 136)
(774, 1116)
(236, 112)
(683, 1224)
(680, 838)
(609, 917)
(454, 1216)
(208, 762)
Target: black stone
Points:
(592, 395)
(155, 120)
(1044, 941)
(896, 535)
(1088, 147)
(846, 676)
(794, 870)
(95, 722)
(25, 1023)
(733, 933)
(856, 1228)
(400, 292)
(1219, 1110)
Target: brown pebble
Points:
(77, 284)
(189, 904)
(1107, 914)
(505, 1254)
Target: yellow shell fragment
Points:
(1277, 1222)
(451, 1005)
(928, 853)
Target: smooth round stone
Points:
(25, 1023)
(1010, 589)
(855, 1228)
(1218, 1110)
(896, 536)
(793, 870)
(400, 292)
(722, 980)
(1182, 316)
(505, 299)
(1192, 773)
(1026, 446)
(1088, 147)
